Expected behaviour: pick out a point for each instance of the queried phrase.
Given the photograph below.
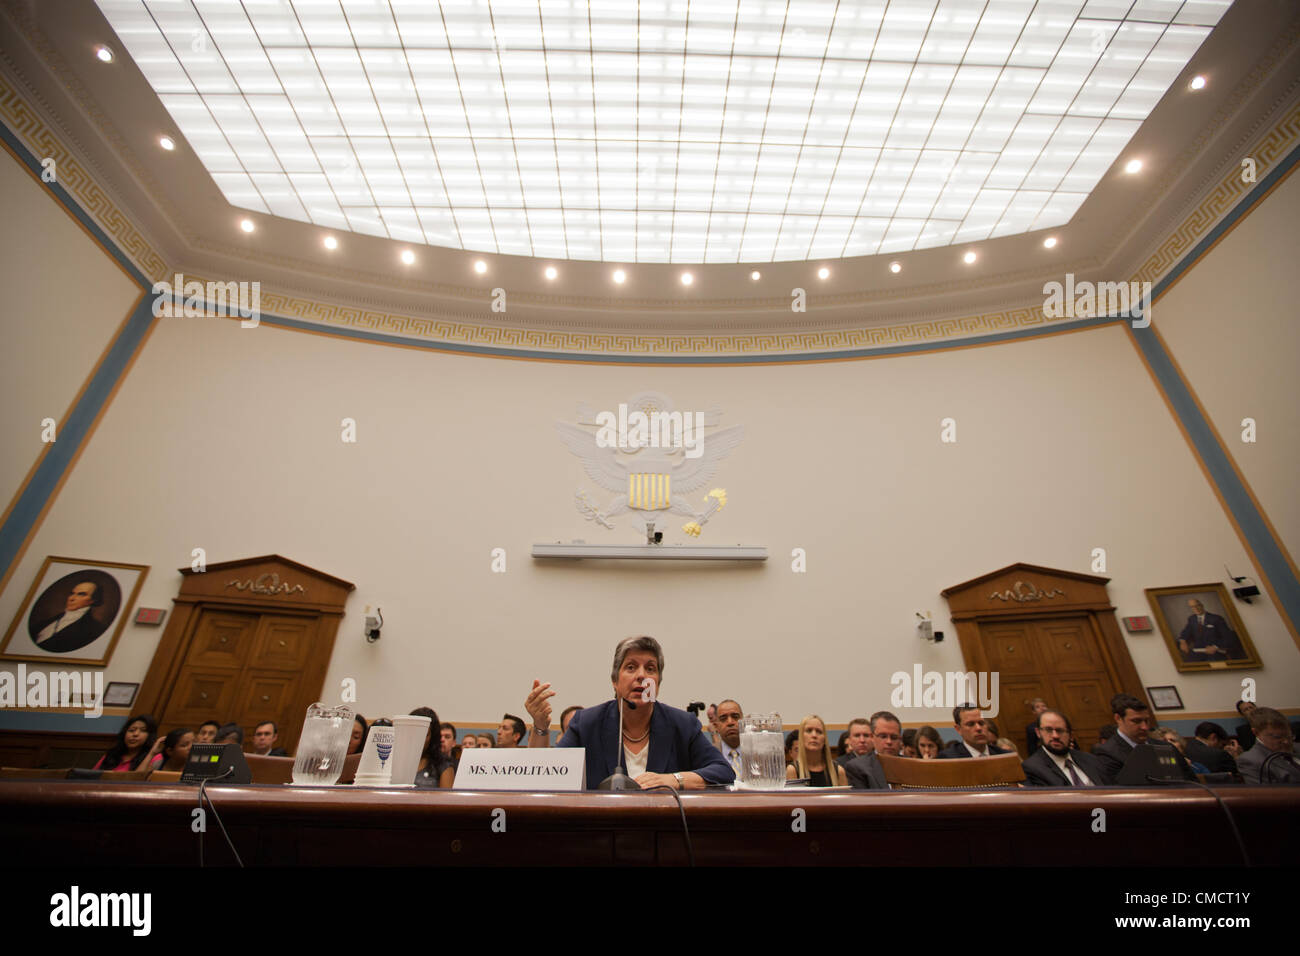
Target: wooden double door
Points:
(1046, 633)
(1057, 659)
(248, 641)
(243, 667)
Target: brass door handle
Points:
(203, 695)
(264, 697)
(224, 639)
(282, 644)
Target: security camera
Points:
(372, 625)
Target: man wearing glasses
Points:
(1272, 736)
(1054, 764)
(865, 772)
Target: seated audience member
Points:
(1272, 759)
(566, 715)
(1036, 707)
(1054, 764)
(230, 734)
(814, 761)
(136, 744)
(1232, 748)
(1245, 735)
(909, 743)
(487, 740)
(841, 745)
(1132, 729)
(791, 747)
(175, 751)
(447, 734)
(468, 742)
(207, 732)
(859, 740)
(360, 731)
(995, 736)
(1175, 740)
(973, 732)
(728, 723)
(662, 746)
(865, 772)
(928, 743)
(435, 768)
(1106, 732)
(511, 732)
(265, 735)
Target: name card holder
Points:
(523, 768)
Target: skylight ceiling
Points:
(695, 132)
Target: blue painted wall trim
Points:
(72, 433)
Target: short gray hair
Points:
(629, 644)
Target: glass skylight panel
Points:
(239, 190)
(754, 129)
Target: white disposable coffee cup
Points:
(376, 767)
(408, 744)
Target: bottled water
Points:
(762, 758)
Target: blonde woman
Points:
(813, 757)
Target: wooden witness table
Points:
(142, 823)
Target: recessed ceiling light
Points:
(756, 275)
(480, 266)
(331, 242)
(247, 225)
(551, 272)
(167, 143)
(823, 273)
(1133, 165)
(104, 54)
(1198, 83)
(408, 256)
(969, 258)
(619, 276)
(1050, 242)
(895, 267)
(687, 278)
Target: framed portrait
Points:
(74, 612)
(1165, 698)
(1201, 628)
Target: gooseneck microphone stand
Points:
(619, 780)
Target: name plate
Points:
(522, 768)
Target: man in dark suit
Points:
(861, 741)
(1037, 705)
(1245, 736)
(1054, 764)
(265, 735)
(1207, 637)
(668, 741)
(1207, 748)
(1132, 729)
(974, 740)
(864, 771)
(76, 626)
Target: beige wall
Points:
(1233, 325)
(64, 300)
(228, 439)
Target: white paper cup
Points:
(376, 767)
(407, 747)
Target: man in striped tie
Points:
(1054, 764)
(728, 721)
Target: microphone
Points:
(619, 780)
